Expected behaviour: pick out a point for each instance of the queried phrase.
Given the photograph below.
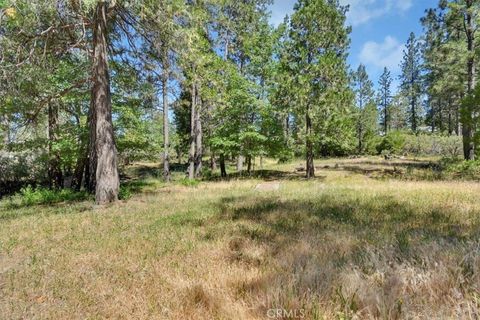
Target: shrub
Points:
(189, 183)
(30, 196)
(432, 145)
(392, 143)
(423, 144)
(469, 170)
(125, 192)
(18, 169)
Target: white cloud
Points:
(362, 11)
(385, 54)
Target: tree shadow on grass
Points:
(266, 175)
(312, 244)
(380, 212)
(11, 211)
(425, 170)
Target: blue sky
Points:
(380, 29)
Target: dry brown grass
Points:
(346, 245)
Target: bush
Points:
(189, 183)
(286, 156)
(30, 196)
(18, 169)
(125, 192)
(402, 143)
(392, 143)
(433, 145)
(469, 170)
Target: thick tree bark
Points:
(223, 169)
(55, 175)
(106, 175)
(467, 127)
(166, 141)
(191, 155)
(309, 146)
(249, 164)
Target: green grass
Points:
(357, 241)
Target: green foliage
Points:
(30, 196)
(404, 143)
(469, 170)
(411, 80)
(125, 192)
(432, 145)
(189, 182)
(313, 74)
(392, 143)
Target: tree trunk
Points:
(286, 129)
(467, 127)
(240, 163)
(457, 121)
(360, 146)
(249, 164)
(433, 116)
(55, 176)
(91, 167)
(166, 142)
(441, 120)
(450, 129)
(223, 170)
(213, 162)
(385, 115)
(191, 155)
(106, 175)
(80, 169)
(309, 146)
(414, 115)
(82, 156)
(198, 137)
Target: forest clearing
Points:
(355, 241)
(239, 159)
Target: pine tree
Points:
(385, 98)
(366, 113)
(318, 41)
(411, 82)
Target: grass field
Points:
(357, 242)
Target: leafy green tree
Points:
(316, 62)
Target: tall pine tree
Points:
(411, 82)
